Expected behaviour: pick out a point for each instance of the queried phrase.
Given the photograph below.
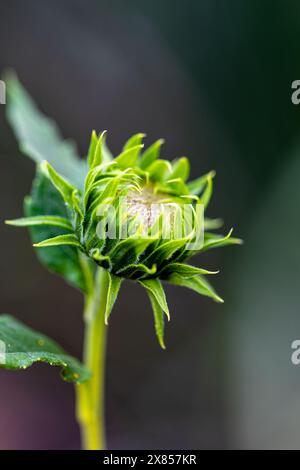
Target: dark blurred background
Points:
(213, 78)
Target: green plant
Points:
(73, 205)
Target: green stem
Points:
(90, 409)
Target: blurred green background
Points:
(212, 77)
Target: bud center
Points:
(146, 206)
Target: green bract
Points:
(135, 215)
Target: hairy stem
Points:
(90, 409)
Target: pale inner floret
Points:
(147, 207)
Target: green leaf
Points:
(212, 224)
(53, 221)
(92, 148)
(134, 141)
(107, 155)
(97, 158)
(199, 284)
(154, 287)
(197, 186)
(62, 260)
(108, 193)
(160, 170)
(184, 270)
(159, 320)
(38, 136)
(165, 251)
(69, 239)
(151, 154)
(206, 196)
(24, 347)
(174, 186)
(114, 285)
(216, 241)
(137, 270)
(65, 189)
(181, 169)
(128, 251)
(95, 253)
(128, 158)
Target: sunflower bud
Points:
(138, 218)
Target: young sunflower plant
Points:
(98, 222)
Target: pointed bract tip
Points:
(44, 166)
(211, 174)
(162, 343)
